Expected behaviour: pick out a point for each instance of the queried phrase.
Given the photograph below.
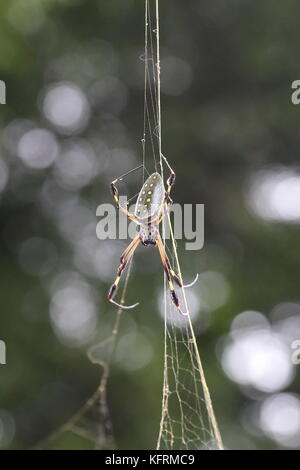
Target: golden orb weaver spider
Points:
(150, 209)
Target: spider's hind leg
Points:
(125, 257)
(170, 273)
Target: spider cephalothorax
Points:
(150, 209)
(148, 234)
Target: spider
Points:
(150, 209)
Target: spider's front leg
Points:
(125, 257)
(115, 194)
(170, 182)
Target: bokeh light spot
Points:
(38, 148)
(66, 107)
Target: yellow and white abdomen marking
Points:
(150, 198)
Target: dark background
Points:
(72, 122)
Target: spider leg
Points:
(158, 221)
(115, 194)
(169, 274)
(128, 249)
(125, 257)
(170, 181)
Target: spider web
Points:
(92, 424)
(187, 417)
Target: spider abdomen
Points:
(150, 198)
(148, 234)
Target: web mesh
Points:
(187, 417)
